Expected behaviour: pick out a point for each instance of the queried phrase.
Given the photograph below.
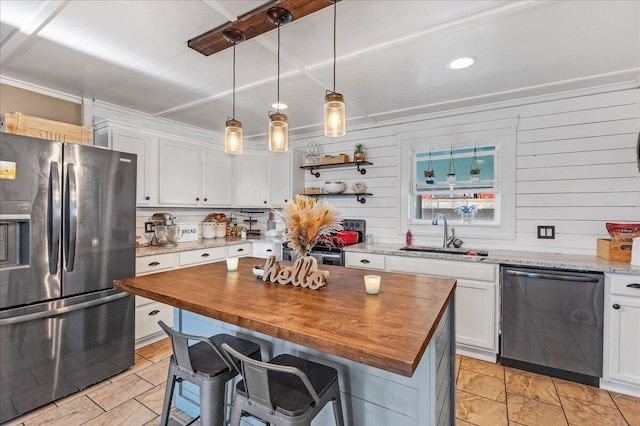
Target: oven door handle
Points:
(559, 277)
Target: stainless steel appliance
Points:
(67, 230)
(327, 255)
(552, 322)
(165, 230)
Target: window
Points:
(481, 206)
(458, 183)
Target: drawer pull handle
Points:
(269, 250)
(626, 247)
(634, 285)
(616, 306)
(241, 249)
(154, 312)
(154, 263)
(204, 255)
(365, 261)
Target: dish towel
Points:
(635, 252)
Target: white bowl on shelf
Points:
(334, 187)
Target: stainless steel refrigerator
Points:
(67, 230)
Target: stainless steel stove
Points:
(328, 255)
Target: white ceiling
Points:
(392, 56)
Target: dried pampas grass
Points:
(309, 222)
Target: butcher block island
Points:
(395, 351)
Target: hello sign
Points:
(299, 275)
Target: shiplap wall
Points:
(576, 170)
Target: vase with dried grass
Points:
(308, 223)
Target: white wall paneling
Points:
(574, 158)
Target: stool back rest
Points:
(256, 377)
(180, 346)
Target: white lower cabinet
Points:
(621, 369)
(476, 295)
(365, 261)
(264, 250)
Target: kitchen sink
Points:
(442, 250)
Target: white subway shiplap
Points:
(575, 170)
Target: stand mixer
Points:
(166, 232)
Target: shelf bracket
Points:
(361, 199)
(316, 174)
(362, 171)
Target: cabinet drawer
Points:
(264, 250)
(155, 263)
(624, 285)
(238, 250)
(365, 261)
(141, 301)
(209, 255)
(442, 268)
(147, 318)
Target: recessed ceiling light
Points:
(460, 63)
(279, 106)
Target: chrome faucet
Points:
(446, 242)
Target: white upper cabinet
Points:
(251, 172)
(179, 173)
(217, 178)
(286, 179)
(145, 147)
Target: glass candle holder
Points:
(232, 264)
(372, 284)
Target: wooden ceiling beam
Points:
(253, 24)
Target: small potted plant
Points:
(358, 152)
(451, 176)
(474, 172)
(429, 176)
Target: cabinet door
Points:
(179, 173)
(217, 178)
(252, 177)
(139, 144)
(475, 314)
(624, 339)
(286, 178)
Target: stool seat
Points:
(205, 365)
(288, 390)
(288, 393)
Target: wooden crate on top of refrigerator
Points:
(27, 125)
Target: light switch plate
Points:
(546, 232)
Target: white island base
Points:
(370, 396)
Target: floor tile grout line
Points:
(618, 408)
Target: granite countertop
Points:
(510, 257)
(203, 244)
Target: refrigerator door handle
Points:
(55, 217)
(49, 313)
(72, 217)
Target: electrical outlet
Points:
(546, 232)
(148, 226)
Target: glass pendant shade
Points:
(278, 132)
(233, 137)
(334, 115)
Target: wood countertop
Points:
(390, 330)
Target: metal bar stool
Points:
(287, 390)
(205, 365)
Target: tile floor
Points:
(487, 394)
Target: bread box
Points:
(619, 251)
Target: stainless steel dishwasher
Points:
(552, 322)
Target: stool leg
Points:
(212, 403)
(337, 409)
(236, 412)
(168, 397)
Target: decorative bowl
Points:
(334, 187)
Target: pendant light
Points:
(278, 126)
(233, 128)
(334, 111)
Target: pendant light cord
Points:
(278, 84)
(335, 6)
(234, 81)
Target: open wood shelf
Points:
(360, 197)
(316, 167)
